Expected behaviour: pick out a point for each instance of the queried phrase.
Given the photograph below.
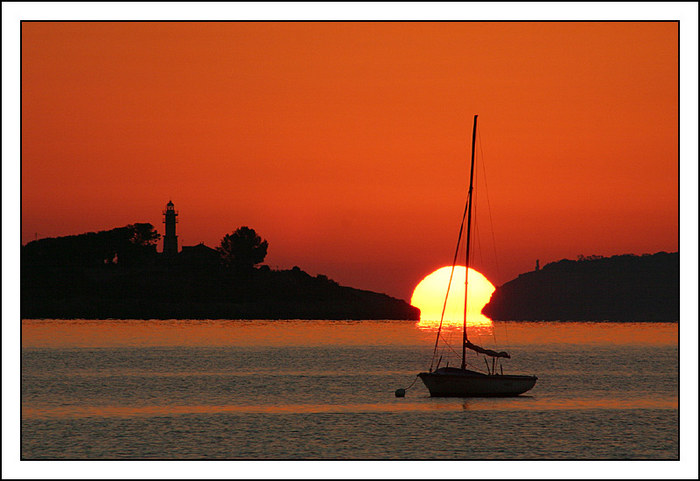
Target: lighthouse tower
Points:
(170, 239)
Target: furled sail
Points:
(487, 352)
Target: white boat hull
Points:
(452, 382)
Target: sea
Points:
(325, 390)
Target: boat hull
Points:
(465, 383)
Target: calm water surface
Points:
(269, 390)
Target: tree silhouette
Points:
(242, 249)
(143, 234)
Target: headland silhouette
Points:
(594, 288)
(119, 274)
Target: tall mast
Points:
(469, 230)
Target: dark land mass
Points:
(617, 288)
(116, 275)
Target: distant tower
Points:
(537, 265)
(170, 239)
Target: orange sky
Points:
(345, 145)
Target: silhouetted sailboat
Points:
(462, 382)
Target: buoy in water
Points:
(400, 392)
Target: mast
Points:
(469, 230)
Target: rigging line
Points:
(469, 253)
(444, 306)
(449, 346)
(470, 364)
(457, 355)
(447, 342)
(488, 202)
(493, 233)
(476, 249)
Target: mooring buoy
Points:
(400, 392)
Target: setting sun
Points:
(429, 297)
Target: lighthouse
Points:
(170, 239)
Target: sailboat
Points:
(460, 381)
